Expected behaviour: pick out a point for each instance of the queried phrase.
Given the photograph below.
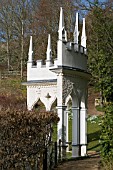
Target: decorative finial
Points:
(30, 50)
(62, 31)
(76, 31)
(83, 37)
(49, 54)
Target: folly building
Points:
(63, 80)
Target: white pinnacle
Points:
(76, 31)
(49, 55)
(83, 37)
(30, 50)
(61, 21)
(62, 31)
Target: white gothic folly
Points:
(63, 80)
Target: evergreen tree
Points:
(100, 46)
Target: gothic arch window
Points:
(39, 106)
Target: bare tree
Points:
(46, 20)
(6, 22)
(15, 19)
(24, 17)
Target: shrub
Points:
(23, 137)
(106, 139)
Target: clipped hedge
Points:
(23, 137)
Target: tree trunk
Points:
(22, 45)
(8, 58)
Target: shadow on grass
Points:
(94, 147)
(93, 140)
(94, 136)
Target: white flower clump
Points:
(93, 119)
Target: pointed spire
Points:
(83, 37)
(76, 31)
(61, 21)
(49, 55)
(62, 32)
(30, 50)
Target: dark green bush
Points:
(106, 138)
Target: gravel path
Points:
(86, 164)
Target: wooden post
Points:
(45, 159)
(59, 154)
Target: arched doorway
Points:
(69, 116)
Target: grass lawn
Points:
(12, 85)
(93, 134)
